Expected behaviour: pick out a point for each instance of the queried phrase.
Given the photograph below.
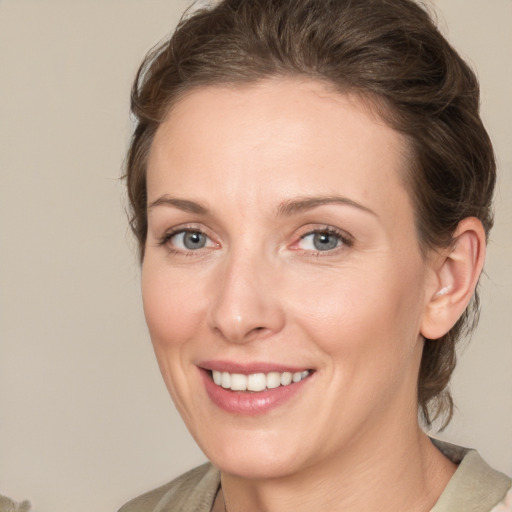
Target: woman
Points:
(311, 190)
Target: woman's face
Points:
(282, 245)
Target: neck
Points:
(390, 472)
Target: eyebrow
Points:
(286, 208)
(182, 204)
(299, 205)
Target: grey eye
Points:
(190, 240)
(325, 241)
(194, 240)
(320, 241)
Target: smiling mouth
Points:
(257, 382)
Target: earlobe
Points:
(457, 270)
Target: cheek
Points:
(172, 312)
(362, 312)
(172, 305)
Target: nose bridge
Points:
(245, 303)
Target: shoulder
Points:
(506, 504)
(193, 491)
(8, 505)
(475, 486)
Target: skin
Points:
(259, 290)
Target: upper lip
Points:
(249, 368)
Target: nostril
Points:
(257, 329)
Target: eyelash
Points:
(346, 241)
(168, 236)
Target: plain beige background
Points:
(85, 421)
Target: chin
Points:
(252, 456)
(255, 467)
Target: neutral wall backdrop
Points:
(85, 421)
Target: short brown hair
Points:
(389, 51)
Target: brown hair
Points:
(386, 50)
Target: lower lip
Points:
(247, 403)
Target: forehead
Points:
(274, 139)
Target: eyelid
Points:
(346, 239)
(165, 239)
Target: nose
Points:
(246, 304)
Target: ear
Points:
(456, 273)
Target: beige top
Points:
(475, 487)
(8, 505)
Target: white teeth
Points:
(273, 380)
(286, 378)
(238, 382)
(217, 378)
(256, 381)
(226, 380)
